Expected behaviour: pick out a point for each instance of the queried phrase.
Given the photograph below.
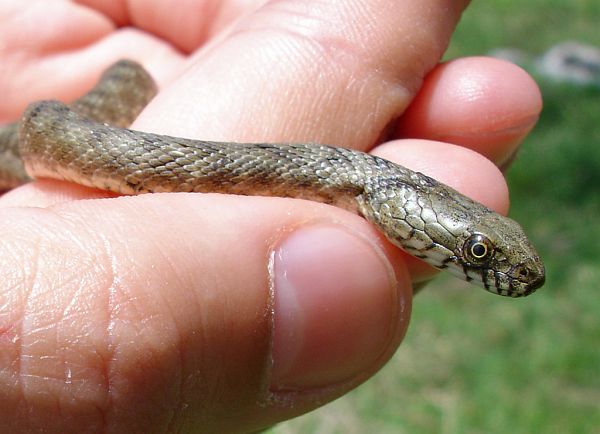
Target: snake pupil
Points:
(479, 250)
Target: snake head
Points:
(494, 252)
(452, 232)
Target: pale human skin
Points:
(214, 313)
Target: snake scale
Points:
(87, 143)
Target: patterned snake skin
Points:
(422, 216)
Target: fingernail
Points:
(335, 306)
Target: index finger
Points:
(330, 72)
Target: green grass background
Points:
(477, 363)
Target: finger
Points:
(187, 26)
(297, 71)
(61, 48)
(47, 192)
(463, 169)
(229, 303)
(485, 104)
(57, 50)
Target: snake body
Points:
(422, 216)
(122, 92)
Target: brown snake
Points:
(427, 219)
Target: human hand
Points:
(214, 313)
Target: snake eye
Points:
(478, 249)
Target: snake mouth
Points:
(513, 284)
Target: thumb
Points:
(191, 311)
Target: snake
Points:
(87, 142)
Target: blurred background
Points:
(477, 363)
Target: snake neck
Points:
(405, 206)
